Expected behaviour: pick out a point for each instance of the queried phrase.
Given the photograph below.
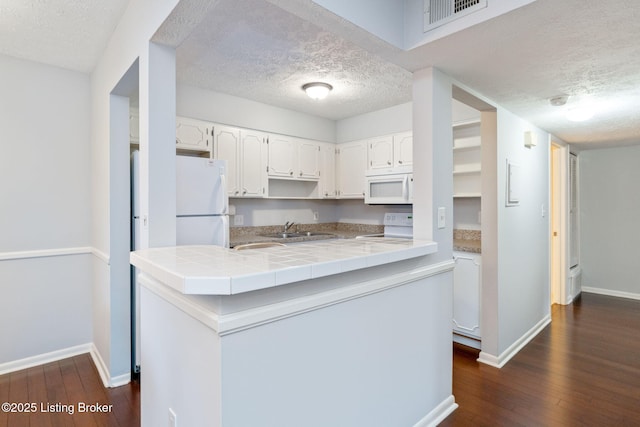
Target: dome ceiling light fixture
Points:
(317, 90)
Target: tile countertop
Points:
(213, 270)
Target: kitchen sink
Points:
(286, 235)
(283, 235)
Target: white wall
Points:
(129, 45)
(609, 213)
(523, 235)
(45, 302)
(382, 122)
(220, 108)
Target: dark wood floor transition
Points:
(582, 370)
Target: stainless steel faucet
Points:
(287, 226)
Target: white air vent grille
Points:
(439, 12)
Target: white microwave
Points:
(389, 189)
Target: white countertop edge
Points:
(230, 285)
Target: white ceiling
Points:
(266, 49)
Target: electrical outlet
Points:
(173, 418)
(238, 220)
(316, 216)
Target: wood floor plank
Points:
(581, 370)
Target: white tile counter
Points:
(212, 270)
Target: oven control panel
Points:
(398, 219)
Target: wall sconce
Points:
(317, 90)
(530, 139)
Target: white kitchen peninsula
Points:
(342, 332)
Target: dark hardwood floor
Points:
(55, 393)
(582, 370)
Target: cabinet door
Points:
(227, 147)
(283, 156)
(194, 135)
(466, 294)
(253, 169)
(352, 163)
(328, 171)
(403, 149)
(381, 153)
(308, 160)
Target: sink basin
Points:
(259, 245)
(314, 233)
(283, 235)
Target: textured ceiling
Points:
(256, 50)
(66, 33)
(266, 50)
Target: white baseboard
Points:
(439, 413)
(469, 342)
(54, 356)
(107, 380)
(502, 359)
(42, 359)
(611, 293)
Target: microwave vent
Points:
(439, 12)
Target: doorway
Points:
(558, 224)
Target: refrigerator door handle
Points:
(223, 194)
(225, 233)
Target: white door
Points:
(193, 134)
(308, 160)
(381, 153)
(283, 156)
(352, 163)
(403, 149)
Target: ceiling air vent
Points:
(439, 12)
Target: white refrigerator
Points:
(202, 207)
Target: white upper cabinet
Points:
(293, 158)
(245, 153)
(193, 135)
(403, 149)
(283, 156)
(308, 159)
(381, 152)
(350, 170)
(390, 151)
(253, 170)
(327, 171)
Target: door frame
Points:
(559, 222)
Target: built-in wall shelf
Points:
(467, 159)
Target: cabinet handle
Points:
(236, 192)
(244, 191)
(291, 173)
(399, 162)
(300, 173)
(388, 162)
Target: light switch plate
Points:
(238, 220)
(441, 217)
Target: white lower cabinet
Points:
(467, 286)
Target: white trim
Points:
(500, 361)
(610, 292)
(439, 413)
(101, 255)
(103, 371)
(225, 324)
(41, 359)
(469, 342)
(44, 253)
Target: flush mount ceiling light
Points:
(317, 90)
